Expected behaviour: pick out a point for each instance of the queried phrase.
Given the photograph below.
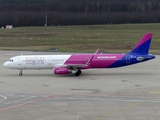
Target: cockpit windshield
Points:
(11, 60)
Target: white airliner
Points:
(65, 64)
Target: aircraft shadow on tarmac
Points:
(84, 74)
(93, 74)
(107, 74)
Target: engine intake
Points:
(61, 71)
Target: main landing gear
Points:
(20, 74)
(78, 73)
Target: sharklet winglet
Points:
(89, 60)
(97, 51)
(92, 56)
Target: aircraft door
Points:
(49, 61)
(127, 59)
(19, 61)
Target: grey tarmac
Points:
(126, 93)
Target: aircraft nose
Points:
(6, 64)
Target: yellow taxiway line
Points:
(155, 92)
(118, 110)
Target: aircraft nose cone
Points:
(5, 64)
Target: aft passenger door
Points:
(127, 59)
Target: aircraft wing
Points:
(74, 65)
(78, 65)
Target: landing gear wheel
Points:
(79, 71)
(77, 74)
(20, 74)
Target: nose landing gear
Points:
(20, 74)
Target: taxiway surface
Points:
(127, 93)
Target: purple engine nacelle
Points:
(61, 71)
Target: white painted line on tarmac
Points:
(19, 100)
(26, 103)
(109, 95)
(4, 98)
(24, 99)
(7, 92)
(22, 96)
(100, 99)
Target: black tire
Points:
(20, 74)
(79, 71)
(77, 74)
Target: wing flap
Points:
(74, 65)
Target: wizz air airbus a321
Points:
(65, 64)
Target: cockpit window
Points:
(10, 60)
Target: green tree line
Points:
(78, 12)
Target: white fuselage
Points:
(36, 61)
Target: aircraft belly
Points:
(18, 67)
(39, 66)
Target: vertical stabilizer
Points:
(143, 45)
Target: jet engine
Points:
(61, 71)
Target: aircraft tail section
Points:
(143, 45)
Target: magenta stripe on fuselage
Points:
(98, 61)
(105, 60)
